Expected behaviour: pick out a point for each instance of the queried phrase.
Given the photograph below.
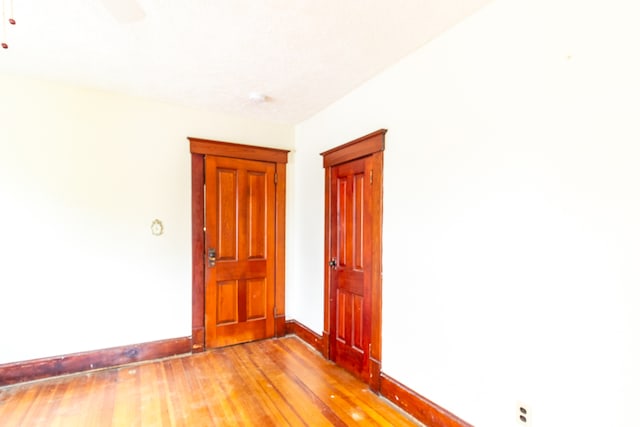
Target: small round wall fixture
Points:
(257, 97)
(157, 228)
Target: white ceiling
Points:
(302, 54)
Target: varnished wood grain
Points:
(281, 207)
(275, 382)
(197, 252)
(30, 370)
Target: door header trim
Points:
(361, 147)
(238, 151)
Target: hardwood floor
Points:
(276, 382)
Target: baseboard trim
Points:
(30, 370)
(418, 406)
(305, 334)
(281, 326)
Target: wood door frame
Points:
(200, 148)
(368, 145)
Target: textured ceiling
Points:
(302, 54)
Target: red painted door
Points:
(240, 247)
(350, 333)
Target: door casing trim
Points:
(372, 145)
(200, 148)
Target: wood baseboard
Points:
(305, 334)
(197, 340)
(325, 344)
(30, 370)
(374, 375)
(281, 326)
(418, 406)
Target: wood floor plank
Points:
(127, 398)
(212, 388)
(186, 412)
(238, 406)
(23, 401)
(306, 402)
(349, 397)
(154, 406)
(33, 416)
(49, 401)
(279, 382)
(353, 394)
(199, 401)
(315, 380)
(275, 404)
(72, 403)
(269, 355)
(261, 406)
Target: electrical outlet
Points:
(523, 414)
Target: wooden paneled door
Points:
(238, 235)
(240, 248)
(353, 255)
(350, 267)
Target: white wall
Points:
(511, 213)
(82, 175)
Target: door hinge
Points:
(275, 178)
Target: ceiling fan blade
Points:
(124, 10)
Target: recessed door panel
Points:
(227, 305)
(257, 215)
(256, 298)
(227, 213)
